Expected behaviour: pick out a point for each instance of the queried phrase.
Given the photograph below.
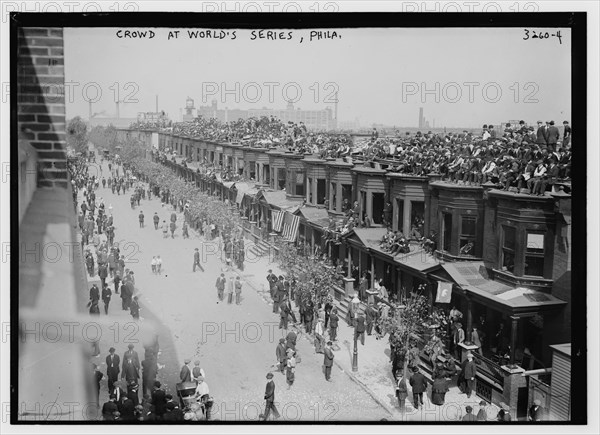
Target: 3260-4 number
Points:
(532, 34)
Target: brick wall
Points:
(41, 100)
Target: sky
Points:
(461, 77)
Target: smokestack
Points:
(157, 104)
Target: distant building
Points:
(313, 119)
(190, 112)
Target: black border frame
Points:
(577, 21)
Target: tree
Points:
(77, 135)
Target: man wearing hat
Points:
(459, 337)
(469, 415)
(197, 371)
(419, 386)
(109, 408)
(112, 367)
(469, 371)
(186, 374)
(131, 354)
(270, 398)
(328, 360)
(159, 400)
(536, 412)
(280, 353)
(552, 136)
(197, 260)
(272, 280)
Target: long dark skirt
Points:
(290, 376)
(438, 398)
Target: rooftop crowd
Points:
(527, 157)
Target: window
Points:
(468, 233)
(417, 213)
(321, 191)
(446, 231)
(281, 179)
(252, 170)
(333, 204)
(400, 214)
(508, 248)
(534, 254)
(378, 203)
(295, 180)
(347, 194)
(310, 190)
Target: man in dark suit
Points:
(371, 316)
(359, 331)
(541, 134)
(119, 393)
(112, 367)
(333, 324)
(328, 360)
(197, 260)
(270, 398)
(106, 295)
(419, 386)
(159, 400)
(94, 293)
(469, 373)
(186, 374)
(272, 280)
(98, 375)
(281, 354)
(552, 136)
(109, 408)
(131, 354)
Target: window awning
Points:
(242, 188)
(472, 277)
(279, 199)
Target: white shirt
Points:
(202, 389)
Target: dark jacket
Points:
(113, 368)
(270, 391)
(333, 320)
(418, 383)
(185, 375)
(328, 361)
(470, 370)
(360, 324)
(159, 401)
(280, 352)
(107, 410)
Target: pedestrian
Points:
(102, 274)
(156, 220)
(185, 375)
(359, 330)
(97, 376)
(165, 229)
(109, 408)
(230, 289)
(272, 280)
(401, 391)
(130, 371)
(94, 293)
(173, 227)
(220, 284)
(290, 374)
(419, 386)
(270, 399)
(290, 342)
(184, 230)
(159, 400)
(476, 340)
(281, 354)
(135, 308)
(371, 315)
(158, 264)
(482, 414)
(283, 314)
(132, 393)
(469, 415)
(469, 371)
(112, 368)
(328, 360)
(197, 260)
(106, 295)
(153, 264)
(319, 336)
(141, 219)
(439, 389)
(238, 290)
(197, 371)
(328, 309)
(458, 338)
(333, 324)
(116, 281)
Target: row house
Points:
(506, 256)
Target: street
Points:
(234, 343)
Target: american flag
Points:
(277, 220)
(290, 229)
